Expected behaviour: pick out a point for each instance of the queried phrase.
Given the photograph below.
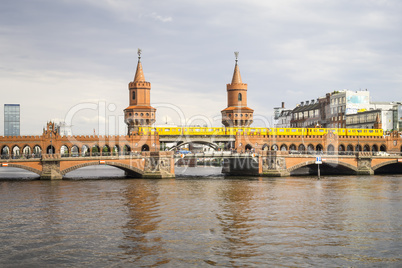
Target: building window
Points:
(133, 95)
(239, 98)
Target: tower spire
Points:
(236, 74)
(139, 74)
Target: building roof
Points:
(239, 109)
(236, 75)
(307, 107)
(139, 74)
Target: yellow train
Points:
(222, 131)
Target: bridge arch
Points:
(50, 149)
(319, 148)
(366, 148)
(36, 171)
(390, 167)
(310, 148)
(210, 144)
(374, 148)
(292, 147)
(383, 148)
(145, 148)
(64, 151)
(341, 148)
(128, 168)
(75, 151)
(248, 147)
(330, 149)
(284, 147)
(274, 147)
(348, 168)
(358, 148)
(85, 150)
(302, 148)
(5, 151)
(26, 150)
(126, 149)
(95, 150)
(265, 147)
(105, 150)
(349, 148)
(15, 151)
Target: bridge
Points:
(55, 166)
(52, 155)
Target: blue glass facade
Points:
(11, 119)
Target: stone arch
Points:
(39, 172)
(212, 145)
(75, 151)
(319, 148)
(329, 162)
(248, 147)
(374, 148)
(27, 151)
(126, 149)
(265, 147)
(5, 152)
(37, 150)
(64, 152)
(15, 151)
(124, 167)
(390, 162)
(358, 148)
(366, 148)
(341, 148)
(116, 150)
(145, 148)
(349, 148)
(310, 148)
(106, 150)
(95, 150)
(274, 147)
(284, 147)
(85, 151)
(331, 149)
(292, 147)
(50, 149)
(383, 148)
(302, 148)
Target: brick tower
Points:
(140, 112)
(237, 114)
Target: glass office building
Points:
(11, 119)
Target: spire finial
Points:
(236, 55)
(139, 53)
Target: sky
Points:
(72, 60)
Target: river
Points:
(199, 219)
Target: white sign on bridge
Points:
(318, 160)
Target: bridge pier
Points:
(364, 164)
(51, 170)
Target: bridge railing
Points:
(20, 156)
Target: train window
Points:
(167, 129)
(197, 130)
(252, 130)
(321, 130)
(281, 130)
(210, 129)
(371, 131)
(294, 130)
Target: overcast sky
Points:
(73, 59)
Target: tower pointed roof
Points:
(139, 74)
(236, 74)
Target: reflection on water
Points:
(202, 221)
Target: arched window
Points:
(133, 95)
(239, 97)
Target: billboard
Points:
(356, 101)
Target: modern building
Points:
(63, 129)
(371, 119)
(398, 117)
(237, 114)
(11, 119)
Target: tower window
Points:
(239, 97)
(133, 95)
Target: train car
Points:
(287, 131)
(365, 132)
